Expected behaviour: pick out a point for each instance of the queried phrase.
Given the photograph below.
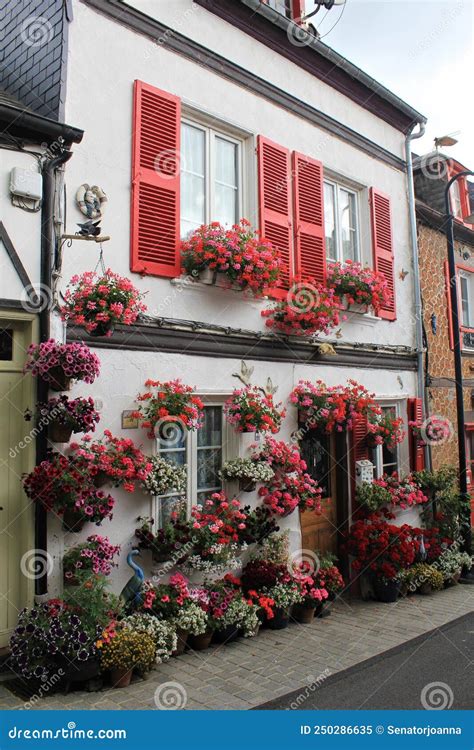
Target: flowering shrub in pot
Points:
(129, 649)
(329, 577)
(291, 486)
(250, 409)
(112, 459)
(259, 524)
(425, 578)
(229, 612)
(216, 525)
(95, 555)
(385, 430)
(171, 542)
(165, 477)
(65, 416)
(310, 594)
(308, 309)
(60, 485)
(404, 491)
(100, 301)
(358, 285)
(165, 403)
(248, 472)
(242, 256)
(162, 633)
(58, 364)
(451, 562)
(333, 408)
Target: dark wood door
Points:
(319, 531)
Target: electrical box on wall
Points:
(364, 471)
(26, 183)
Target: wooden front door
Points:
(319, 531)
(17, 448)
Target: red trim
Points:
(297, 10)
(155, 210)
(308, 206)
(382, 244)
(275, 208)
(359, 450)
(454, 169)
(417, 451)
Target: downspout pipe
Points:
(48, 240)
(421, 391)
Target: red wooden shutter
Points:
(359, 451)
(310, 245)
(383, 246)
(449, 311)
(274, 187)
(155, 182)
(417, 451)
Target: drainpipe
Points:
(421, 390)
(47, 248)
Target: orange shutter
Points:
(359, 450)
(382, 244)
(310, 246)
(274, 190)
(417, 451)
(155, 215)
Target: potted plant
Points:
(248, 472)
(129, 649)
(165, 477)
(100, 301)
(239, 254)
(95, 555)
(230, 613)
(171, 542)
(112, 459)
(373, 496)
(358, 287)
(260, 523)
(328, 577)
(272, 580)
(291, 486)
(64, 416)
(307, 309)
(426, 578)
(405, 492)
(169, 408)
(334, 408)
(450, 564)
(58, 364)
(60, 485)
(251, 409)
(162, 633)
(310, 594)
(386, 429)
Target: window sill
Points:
(361, 318)
(187, 282)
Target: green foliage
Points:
(90, 598)
(373, 496)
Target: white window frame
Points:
(210, 134)
(230, 449)
(337, 187)
(456, 200)
(469, 277)
(378, 450)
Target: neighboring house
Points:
(431, 177)
(223, 86)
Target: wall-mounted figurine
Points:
(90, 201)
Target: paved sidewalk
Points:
(249, 672)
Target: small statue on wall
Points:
(90, 200)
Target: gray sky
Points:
(420, 49)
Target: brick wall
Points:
(33, 53)
(442, 398)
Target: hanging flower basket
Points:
(169, 408)
(100, 301)
(333, 408)
(65, 416)
(385, 429)
(58, 380)
(58, 364)
(73, 521)
(251, 409)
(60, 433)
(113, 460)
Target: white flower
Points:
(162, 632)
(165, 477)
(248, 469)
(191, 618)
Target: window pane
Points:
(226, 182)
(348, 222)
(6, 345)
(315, 450)
(209, 463)
(209, 452)
(193, 182)
(466, 314)
(210, 434)
(456, 200)
(329, 222)
(389, 457)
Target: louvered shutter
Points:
(449, 309)
(359, 451)
(274, 188)
(383, 246)
(417, 451)
(310, 246)
(155, 232)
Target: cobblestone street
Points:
(249, 672)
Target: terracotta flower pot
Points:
(60, 433)
(58, 380)
(280, 619)
(303, 613)
(200, 642)
(73, 520)
(120, 677)
(182, 636)
(247, 485)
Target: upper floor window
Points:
(211, 177)
(466, 293)
(341, 222)
(456, 203)
(386, 460)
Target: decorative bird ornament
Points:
(131, 594)
(89, 228)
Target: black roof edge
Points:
(32, 128)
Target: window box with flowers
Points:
(244, 259)
(309, 308)
(58, 364)
(248, 472)
(359, 288)
(99, 302)
(391, 491)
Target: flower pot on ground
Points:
(324, 609)
(386, 591)
(58, 364)
(182, 639)
(200, 642)
(120, 677)
(280, 619)
(303, 613)
(227, 634)
(82, 671)
(426, 589)
(128, 649)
